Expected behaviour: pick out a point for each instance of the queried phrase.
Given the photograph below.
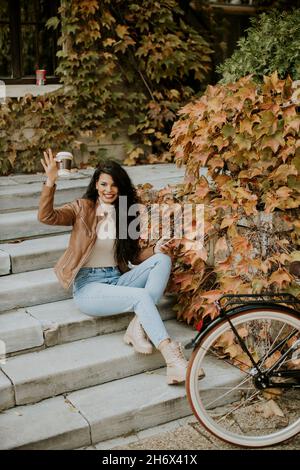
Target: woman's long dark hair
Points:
(126, 249)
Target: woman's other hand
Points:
(49, 165)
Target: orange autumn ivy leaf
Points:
(202, 188)
(280, 277)
(228, 221)
(283, 171)
(212, 295)
(89, 7)
(193, 256)
(211, 311)
(231, 283)
(284, 192)
(225, 266)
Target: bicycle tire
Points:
(241, 423)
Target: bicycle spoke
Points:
(239, 406)
(272, 345)
(229, 391)
(226, 361)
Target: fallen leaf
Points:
(272, 359)
(225, 340)
(270, 408)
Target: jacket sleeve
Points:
(64, 215)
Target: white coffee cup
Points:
(64, 163)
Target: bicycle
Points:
(250, 395)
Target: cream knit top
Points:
(102, 254)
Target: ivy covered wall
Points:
(126, 68)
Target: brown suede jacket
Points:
(80, 213)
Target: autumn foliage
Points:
(127, 67)
(248, 138)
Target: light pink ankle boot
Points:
(136, 336)
(176, 362)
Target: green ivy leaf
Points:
(228, 130)
(53, 22)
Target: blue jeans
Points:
(105, 291)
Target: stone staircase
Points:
(68, 380)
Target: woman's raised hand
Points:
(49, 165)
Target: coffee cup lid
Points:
(63, 155)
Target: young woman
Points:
(96, 260)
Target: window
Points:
(25, 42)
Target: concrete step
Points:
(51, 424)
(30, 255)
(120, 407)
(26, 196)
(23, 192)
(30, 288)
(19, 225)
(100, 413)
(23, 178)
(7, 181)
(4, 263)
(80, 364)
(48, 325)
(154, 170)
(7, 394)
(19, 331)
(144, 436)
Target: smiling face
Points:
(107, 189)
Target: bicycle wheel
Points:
(228, 402)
